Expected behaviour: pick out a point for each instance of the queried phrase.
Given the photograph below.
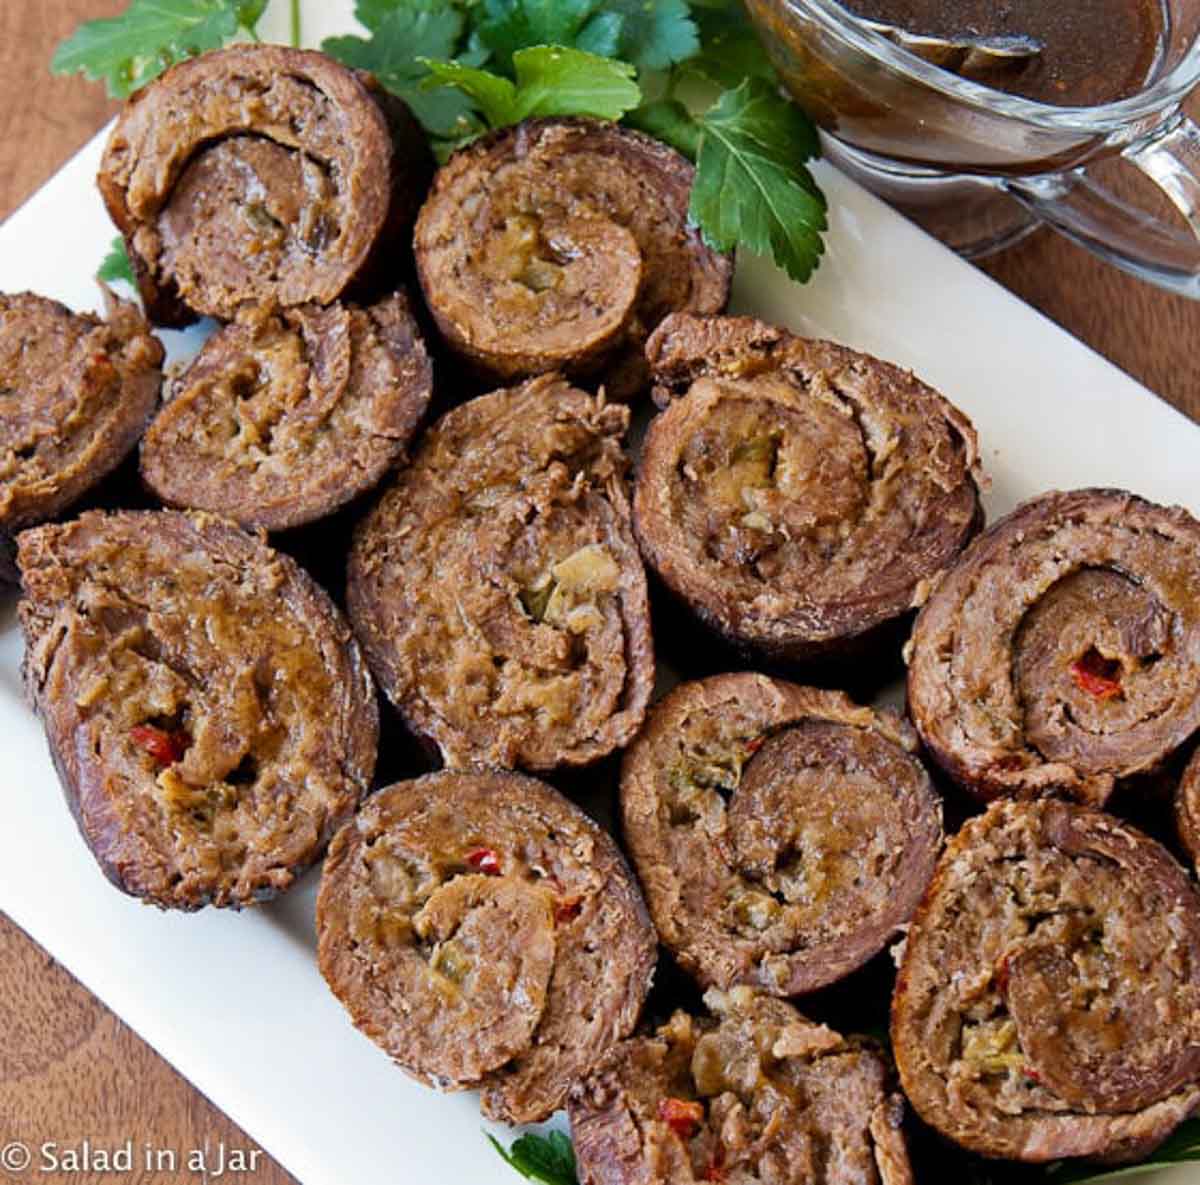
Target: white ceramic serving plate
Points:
(235, 1000)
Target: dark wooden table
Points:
(69, 1069)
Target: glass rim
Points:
(1167, 91)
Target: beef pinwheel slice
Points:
(486, 934)
(1063, 651)
(782, 835)
(797, 496)
(1048, 1001)
(285, 417)
(260, 174)
(496, 587)
(76, 393)
(559, 244)
(753, 1092)
(208, 711)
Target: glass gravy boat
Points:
(921, 136)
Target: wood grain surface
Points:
(69, 1069)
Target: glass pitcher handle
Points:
(1088, 213)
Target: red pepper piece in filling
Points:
(165, 747)
(484, 860)
(1000, 974)
(1097, 675)
(716, 1165)
(754, 744)
(682, 1117)
(566, 909)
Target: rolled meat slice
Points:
(496, 587)
(485, 933)
(752, 1093)
(209, 713)
(284, 417)
(559, 244)
(783, 835)
(259, 174)
(1063, 651)
(1048, 1001)
(76, 394)
(798, 496)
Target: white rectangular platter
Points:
(235, 1000)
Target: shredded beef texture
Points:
(1048, 1001)
(783, 835)
(486, 934)
(496, 587)
(209, 713)
(752, 1093)
(560, 244)
(797, 496)
(1063, 651)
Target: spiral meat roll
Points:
(496, 587)
(754, 1093)
(284, 417)
(76, 393)
(782, 834)
(259, 174)
(797, 496)
(486, 934)
(209, 713)
(1063, 652)
(1048, 1001)
(559, 244)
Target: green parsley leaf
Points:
(513, 25)
(116, 265)
(550, 80)
(1182, 1147)
(656, 34)
(751, 186)
(127, 51)
(549, 1159)
(670, 121)
(730, 51)
(404, 34)
(372, 13)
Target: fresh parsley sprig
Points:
(549, 80)
(128, 50)
(115, 265)
(402, 37)
(549, 1159)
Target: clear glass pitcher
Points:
(900, 122)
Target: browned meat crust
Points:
(285, 417)
(259, 174)
(486, 934)
(754, 1093)
(209, 713)
(1048, 1003)
(497, 590)
(1187, 808)
(76, 393)
(1061, 652)
(782, 834)
(559, 244)
(797, 496)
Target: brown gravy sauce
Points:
(1095, 51)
